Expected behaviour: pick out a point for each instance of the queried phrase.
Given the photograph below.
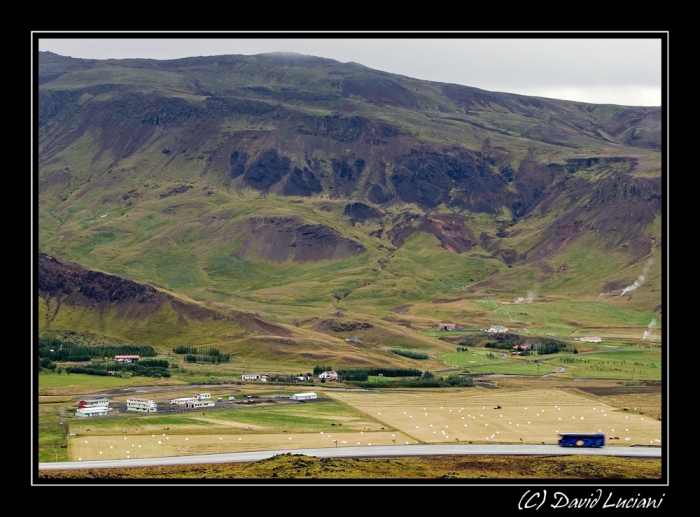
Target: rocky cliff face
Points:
(280, 238)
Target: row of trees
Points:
(136, 369)
(219, 358)
(363, 374)
(197, 351)
(426, 380)
(63, 350)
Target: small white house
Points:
(304, 396)
(203, 396)
(141, 405)
(497, 328)
(250, 377)
(592, 339)
(126, 359)
(329, 376)
(184, 400)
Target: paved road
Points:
(363, 452)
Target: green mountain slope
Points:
(297, 187)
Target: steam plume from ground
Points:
(651, 327)
(639, 281)
(530, 296)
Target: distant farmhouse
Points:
(251, 377)
(124, 359)
(184, 400)
(329, 376)
(592, 339)
(304, 396)
(93, 407)
(497, 328)
(446, 326)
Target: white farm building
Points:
(304, 396)
(141, 405)
(93, 403)
(251, 377)
(200, 404)
(184, 400)
(497, 328)
(91, 411)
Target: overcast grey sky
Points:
(597, 69)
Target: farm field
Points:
(439, 416)
(147, 446)
(309, 417)
(600, 361)
(625, 363)
(50, 383)
(290, 426)
(491, 361)
(368, 417)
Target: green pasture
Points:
(64, 380)
(490, 361)
(631, 363)
(141, 423)
(380, 380)
(51, 437)
(515, 367)
(475, 356)
(49, 412)
(307, 417)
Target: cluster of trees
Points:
(202, 355)
(154, 363)
(46, 363)
(551, 347)
(318, 370)
(63, 350)
(196, 351)
(135, 369)
(409, 353)
(462, 349)
(426, 380)
(218, 358)
(504, 345)
(364, 373)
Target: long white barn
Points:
(141, 405)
